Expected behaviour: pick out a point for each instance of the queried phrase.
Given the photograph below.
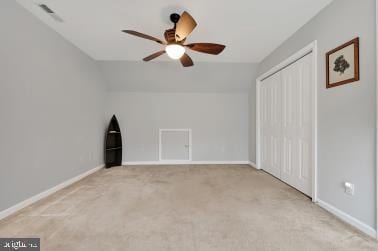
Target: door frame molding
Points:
(161, 147)
(311, 48)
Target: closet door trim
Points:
(311, 48)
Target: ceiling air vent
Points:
(51, 13)
(46, 8)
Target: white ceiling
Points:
(251, 29)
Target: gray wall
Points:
(212, 99)
(172, 77)
(346, 114)
(51, 107)
(219, 123)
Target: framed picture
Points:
(343, 64)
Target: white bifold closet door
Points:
(286, 124)
(271, 131)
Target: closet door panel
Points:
(297, 124)
(270, 111)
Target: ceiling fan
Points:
(175, 38)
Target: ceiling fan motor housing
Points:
(170, 35)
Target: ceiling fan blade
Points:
(185, 26)
(186, 61)
(152, 56)
(208, 48)
(138, 34)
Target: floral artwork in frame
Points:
(343, 65)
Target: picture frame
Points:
(343, 64)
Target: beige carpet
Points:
(182, 208)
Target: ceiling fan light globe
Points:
(175, 51)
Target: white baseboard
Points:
(135, 163)
(348, 219)
(44, 194)
(252, 164)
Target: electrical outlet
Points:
(349, 188)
